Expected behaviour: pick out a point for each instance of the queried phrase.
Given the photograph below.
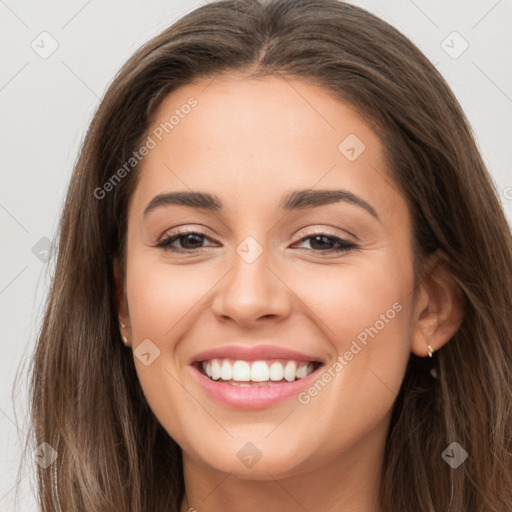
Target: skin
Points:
(249, 142)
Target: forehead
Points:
(251, 140)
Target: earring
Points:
(123, 337)
(430, 351)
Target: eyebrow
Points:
(294, 200)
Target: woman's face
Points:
(275, 176)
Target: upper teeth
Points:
(257, 371)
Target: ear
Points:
(120, 294)
(439, 308)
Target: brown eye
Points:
(183, 241)
(321, 242)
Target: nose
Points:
(252, 293)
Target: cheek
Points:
(363, 312)
(160, 296)
(347, 300)
(161, 299)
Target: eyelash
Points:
(165, 244)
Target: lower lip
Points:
(252, 397)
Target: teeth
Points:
(290, 370)
(226, 371)
(302, 372)
(256, 371)
(241, 371)
(215, 369)
(259, 371)
(276, 371)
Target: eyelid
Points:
(329, 232)
(185, 229)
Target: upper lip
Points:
(252, 353)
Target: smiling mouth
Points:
(256, 373)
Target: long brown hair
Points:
(86, 401)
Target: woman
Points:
(337, 336)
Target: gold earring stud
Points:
(123, 337)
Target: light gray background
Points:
(47, 103)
